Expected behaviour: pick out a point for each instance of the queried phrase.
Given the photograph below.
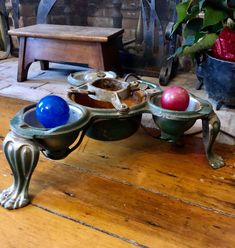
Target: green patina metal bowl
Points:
(173, 124)
(54, 142)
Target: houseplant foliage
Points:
(208, 30)
(202, 21)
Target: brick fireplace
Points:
(144, 21)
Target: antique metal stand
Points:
(108, 109)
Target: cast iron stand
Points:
(22, 155)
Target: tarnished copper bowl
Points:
(115, 111)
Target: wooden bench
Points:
(94, 46)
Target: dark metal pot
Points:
(106, 123)
(114, 129)
(218, 76)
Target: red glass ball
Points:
(175, 98)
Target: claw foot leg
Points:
(5, 193)
(211, 128)
(22, 155)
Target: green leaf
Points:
(193, 11)
(193, 27)
(204, 43)
(213, 16)
(181, 9)
(199, 36)
(216, 28)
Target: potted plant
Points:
(208, 30)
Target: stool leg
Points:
(106, 58)
(25, 60)
(96, 61)
(111, 60)
(22, 155)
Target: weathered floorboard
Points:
(34, 227)
(125, 211)
(157, 166)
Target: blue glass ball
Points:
(52, 111)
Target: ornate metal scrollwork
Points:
(44, 9)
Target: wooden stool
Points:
(94, 46)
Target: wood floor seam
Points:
(132, 242)
(217, 211)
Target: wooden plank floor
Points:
(138, 192)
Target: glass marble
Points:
(52, 111)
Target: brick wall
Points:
(83, 12)
(101, 13)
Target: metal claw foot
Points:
(22, 155)
(211, 128)
(12, 199)
(215, 160)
